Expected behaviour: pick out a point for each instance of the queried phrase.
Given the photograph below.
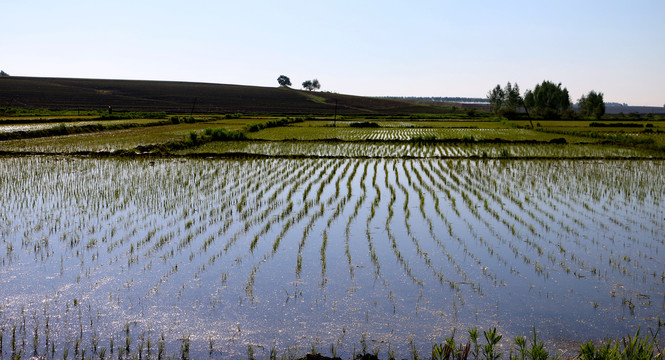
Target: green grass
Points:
(315, 98)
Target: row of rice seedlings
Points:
(473, 189)
(319, 214)
(617, 224)
(644, 242)
(291, 183)
(593, 219)
(338, 210)
(192, 233)
(430, 188)
(407, 225)
(368, 234)
(264, 217)
(356, 208)
(579, 264)
(482, 151)
(434, 235)
(489, 227)
(84, 346)
(267, 225)
(517, 235)
(477, 196)
(333, 173)
(555, 233)
(314, 217)
(393, 240)
(263, 231)
(420, 184)
(349, 194)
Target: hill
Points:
(627, 109)
(174, 97)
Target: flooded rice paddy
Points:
(382, 254)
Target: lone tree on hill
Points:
(592, 104)
(284, 80)
(548, 100)
(2, 73)
(311, 85)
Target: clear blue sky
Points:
(361, 47)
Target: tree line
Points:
(547, 100)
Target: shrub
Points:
(423, 139)
(193, 137)
(510, 114)
(364, 124)
(273, 123)
(223, 134)
(628, 125)
(133, 115)
(254, 127)
(60, 129)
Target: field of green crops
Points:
(315, 235)
(405, 130)
(230, 255)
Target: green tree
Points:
(513, 99)
(592, 104)
(548, 100)
(496, 98)
(506, 101)
(284, 80)
(311, 85)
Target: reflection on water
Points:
(317, 253)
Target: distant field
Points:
(496, 137)
(406, 150)
(103, 141)
(41, 126)
(407, 131)
(639, 130)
